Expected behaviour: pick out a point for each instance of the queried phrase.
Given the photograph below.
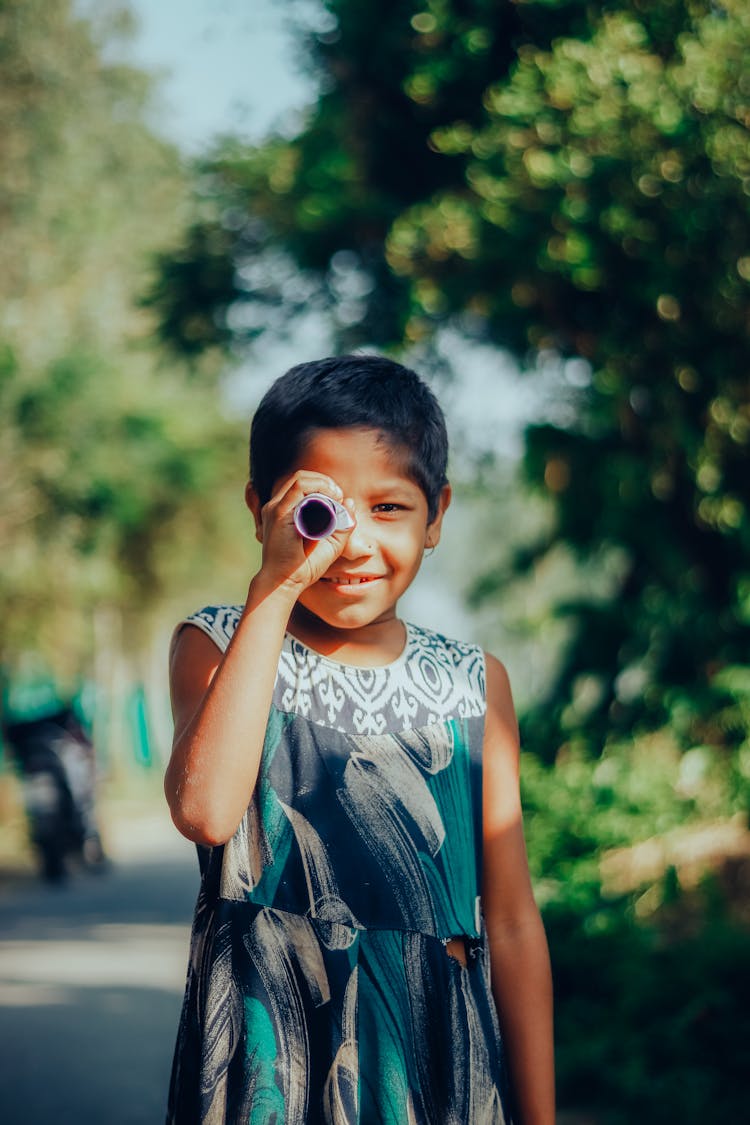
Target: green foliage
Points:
(328, 196)
(649, 950)
(572, 182)
(110, 453)
(193, 289)
(568, 180)
(605, 216)
(648, 1031)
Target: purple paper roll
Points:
(318, 516)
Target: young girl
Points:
(365, 911)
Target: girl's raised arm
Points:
(521, 977)
(221, 704)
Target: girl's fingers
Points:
(322, 553)
(301, 484)
(284, 548)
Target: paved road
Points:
(91, 979)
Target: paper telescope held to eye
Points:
(318, 516)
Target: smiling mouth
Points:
(343, 580)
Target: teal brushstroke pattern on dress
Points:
(319, 987)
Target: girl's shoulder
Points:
(447, 668)
(217, 621)
(428, 641)
(433, 667)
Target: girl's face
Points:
(384, 551)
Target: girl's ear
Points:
(253, 502)
(432, 537)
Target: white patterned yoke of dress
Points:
(319, 988)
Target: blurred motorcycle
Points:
(57, 768)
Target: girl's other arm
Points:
(521, 977)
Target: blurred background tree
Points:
(564, 183)
(570, 182)
(110, 450)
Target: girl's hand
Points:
(289, 560)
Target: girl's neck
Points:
(370, 646)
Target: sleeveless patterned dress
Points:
(319, 986)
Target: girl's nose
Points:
(359, 543)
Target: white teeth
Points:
(348, 581)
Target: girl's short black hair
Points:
(345, 391)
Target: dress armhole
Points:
(217, 622)
(482, 659)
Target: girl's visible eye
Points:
(388, 508)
